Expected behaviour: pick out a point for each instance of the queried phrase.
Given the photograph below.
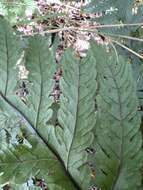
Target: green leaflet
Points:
(118, 147)
(76, 115)
(9, 56)
(39, 61)
(21, 162)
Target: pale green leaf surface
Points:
(76, 114)
(20, 163)
(16, 160)
(39, 61)
(118, 148)
(9, 56)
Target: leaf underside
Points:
(76, 115)
(118, 147)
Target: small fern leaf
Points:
(118, 148)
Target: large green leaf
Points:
(35, 113)
(118, 148)
(76, 115)
(20, 162)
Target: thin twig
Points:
(51, 31)
(117, 25)
(128, 49)
(125, 37)
(90, 28)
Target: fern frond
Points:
(118, 148)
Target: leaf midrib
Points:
(41, 91)
(7, 65)
(77, 110)
(122, 125)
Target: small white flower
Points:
(28, 13)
